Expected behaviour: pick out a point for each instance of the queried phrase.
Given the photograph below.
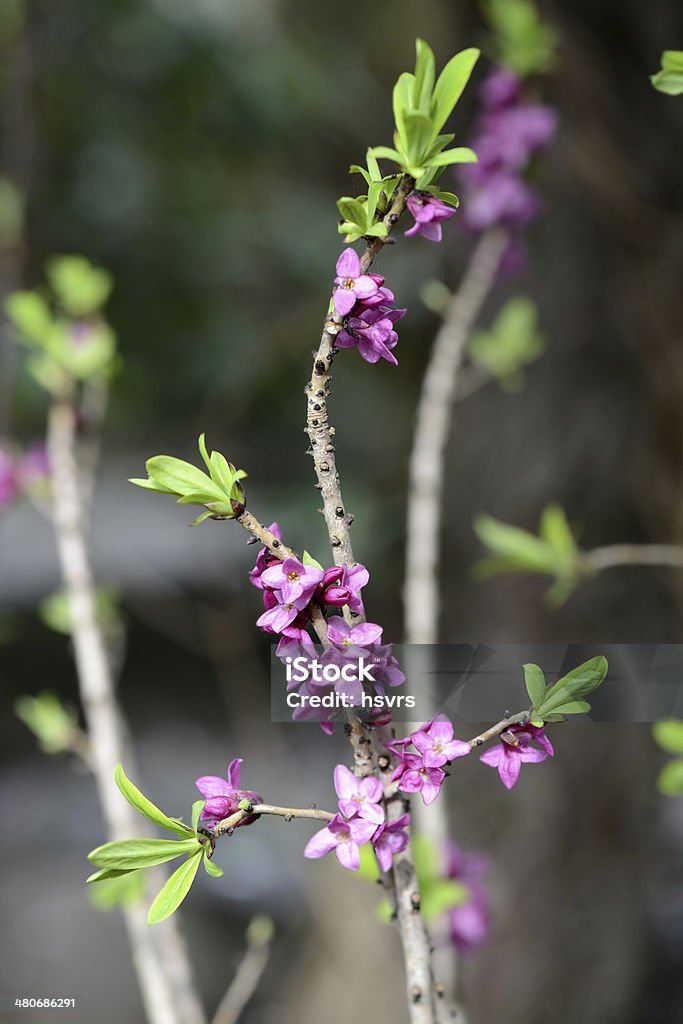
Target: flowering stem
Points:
(519, 719)
(321, 434)
(226, 825)
(281, 551)
(159, 957)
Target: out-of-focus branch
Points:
(165, 978)
(426, 469)
(248, 974)
(615, 555)
(440, 388)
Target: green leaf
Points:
(149, 485)
(143, 806)
(450, 86)
(125, 890)
(670, 780)
(555, 530)
(417, 134)
(30, 315)
(211, 869)
(352, 210)
(172, 894)
(516, 549)
(573, 707)
(373, 166)
(310, 560)
(106, 873)
(669, 736)
(459, 155)
(385, 153)
(81, 289)
(670, 79)
(180, 477)
(424, 76)
(197, 808)
(52, 724)
(535, 683)
(126, 854)
(439, 896)
(402, 96)
(376, 231)
(357, 169)
(577, 684)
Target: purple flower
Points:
(509, 133)
(8, 476)
(295, 581)
(372, 333)
(515, 749)
(415, 777)
(428, 212)
(390, 839)
(342, 586)
(224, 795)
(352, 284)
(504, 199)
(500, 89)
(277, 617)
(436, 744)
(340, 633)
(344, 837)
(469, 921)
(359, 797)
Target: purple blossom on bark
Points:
(469, 922)
(515, 749)
(344, 837)
(295, 582)
(372, 333)
(223, 795)
(436, 744)
(352, 284)
(278, 617)
(413, 776)
(428, 212)
(359, 797)
(389, 840)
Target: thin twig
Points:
(245, 979)
(615, 555)
(168, 996)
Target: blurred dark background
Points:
(196, 151)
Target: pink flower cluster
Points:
(223, 795)
(509, 133)
(360, 820)
(422, 772)
(289, 586)
(365, 303)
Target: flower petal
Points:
(213, 785)
(348, 264)
(320, 844)
(345, 783)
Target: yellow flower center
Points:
(293, 575)
(349, 283)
